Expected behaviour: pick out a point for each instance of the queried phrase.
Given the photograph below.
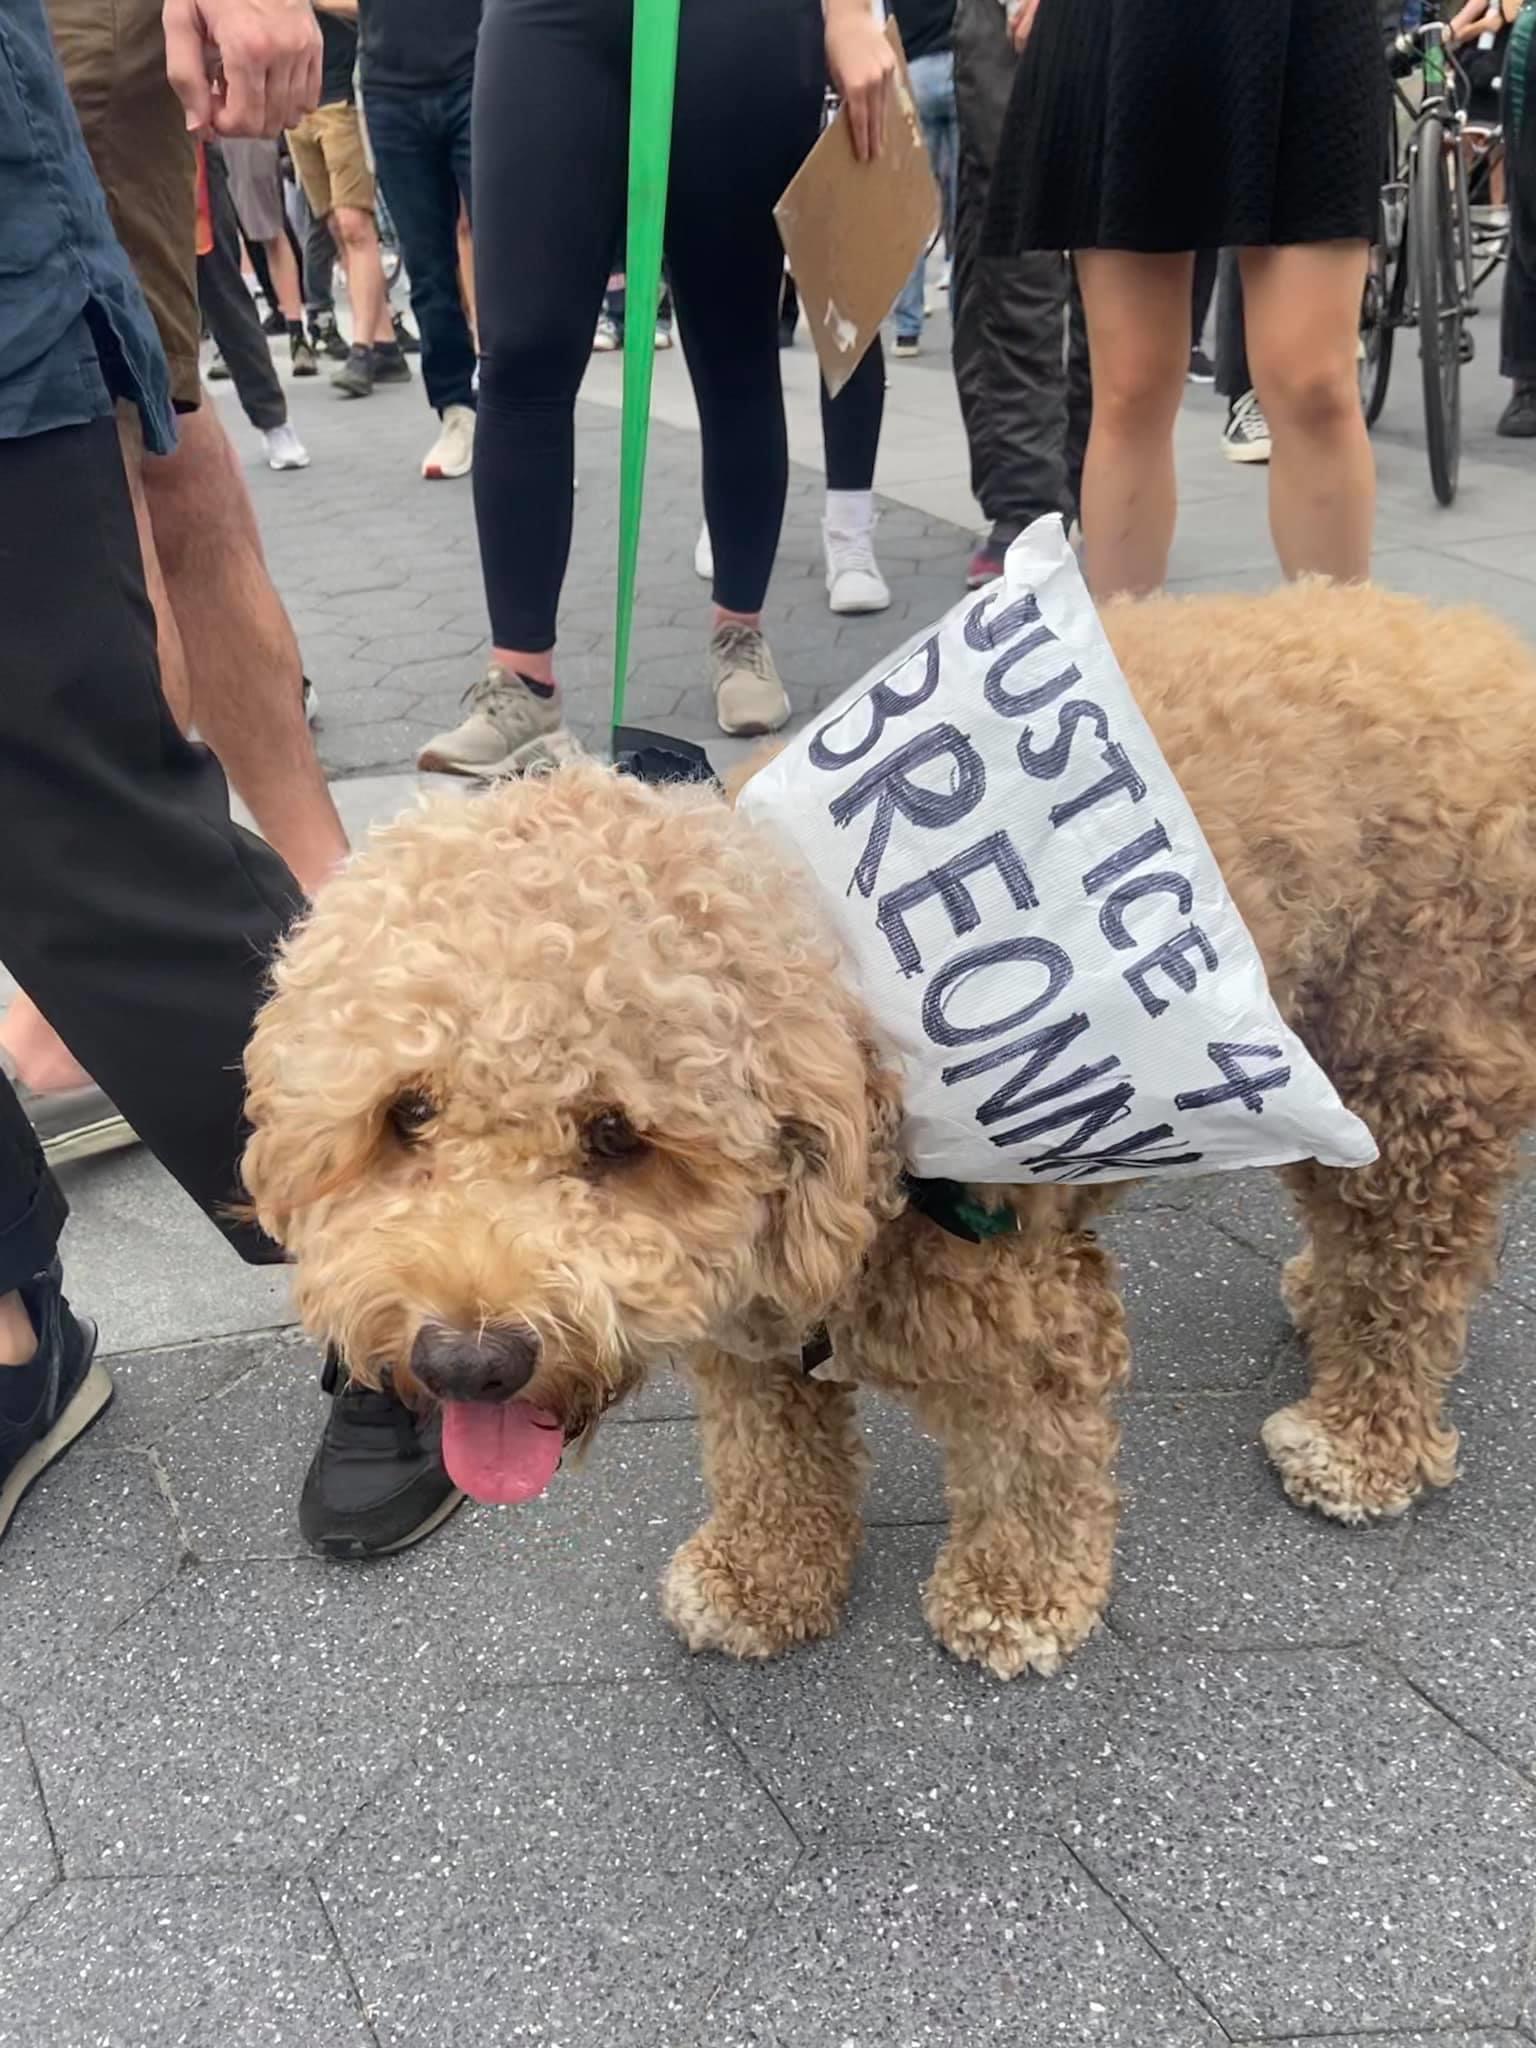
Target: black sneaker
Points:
(355, 377)
(304, 364)
(327, 338)
(1517, 422)
(389, 364)
(1201, 369)
(376, 1483)
(55, 1397)
(409, 343)
(274, 324)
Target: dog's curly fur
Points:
(1363, 767)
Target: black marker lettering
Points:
(1038, 1050)
(1170, 958)
(1144, 847)
(948, 884)
(955, 973)
(885, 703)
(1248, 1089)
(1046, 763)
(1112, 916)
(889, 789)
(1121, 776)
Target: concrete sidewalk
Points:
(478, 1795)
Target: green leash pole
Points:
(653, 76)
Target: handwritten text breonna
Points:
(1009, 1011)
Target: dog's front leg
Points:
(1030, 1439)
(784, 1463)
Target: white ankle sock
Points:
(851, 511)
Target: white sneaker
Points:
(854, 582)
(284, 448)
(453, 452)
(704, 555)
(509, 731)
(1245, 437)
(749, 697)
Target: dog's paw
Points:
(1297, 1291)
(1348, 1476)
(1002, 1630)
(723, 1596)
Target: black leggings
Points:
(551, 129)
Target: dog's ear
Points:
(838, 1130)
(294, 1158)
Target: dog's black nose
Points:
(490, 1363)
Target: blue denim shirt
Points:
(75, 333)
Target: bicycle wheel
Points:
(1432, 225)
(1376, 334)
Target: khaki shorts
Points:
(328, 154)
(113, 54)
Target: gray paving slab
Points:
(167, 1964)
(869, 1947)
(1312, 1846)
(1482, 2037)
(563, 1865)
(93, 1542)
(1204, 1311)
(1463, 1622)
(28, 1866)
(1210, 1549)
(236, 1723)
(878, 1735)
(145, 1262)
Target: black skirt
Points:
(1161, 125)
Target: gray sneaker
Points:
(509, 731)
(749, 697)
(71, 1123)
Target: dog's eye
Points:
(610, 1135)
(409, 1114)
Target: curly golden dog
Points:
(563, 1082)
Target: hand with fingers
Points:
(862, 65)
(243, 67)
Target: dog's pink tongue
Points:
(500, 1451)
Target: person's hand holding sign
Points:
(862, 64)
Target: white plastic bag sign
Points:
(1038, 927)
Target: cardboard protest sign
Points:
(852, 231)
(1037, 925)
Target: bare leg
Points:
(1030, 1447)
(358, 241)
(285, 278)
(1302, 306)
(1399, 1252)
(247, 695)
(1137, 309)
(467, 275)
(784, 1463)
(18, 1339)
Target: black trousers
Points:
(1232, 373)
(136, 915)
(551, 122)
(1517, 333)
(230, 311)
(1009, 315)
(420, 144)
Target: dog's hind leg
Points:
(1030, 1439)
(1399, 1252)
(784, 1463)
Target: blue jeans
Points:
(933, 88)
(421, 152)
